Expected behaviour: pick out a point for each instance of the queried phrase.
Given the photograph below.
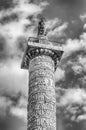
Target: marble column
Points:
(41, 61)
(42, 101)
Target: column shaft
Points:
(42, 99)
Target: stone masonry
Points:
(41, 58)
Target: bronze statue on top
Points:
(41, 27)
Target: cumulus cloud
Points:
(19, 21)
(83, 17)
(51, 24)
(71, 82)
(5, 103)
(72, 101)
(12, 77)
(13, 110)
(81, 117)
(59, 74)
(73, 96)
(16, 24)
(75, 45)
(58, 32)
(72, 104)
(70, 88)
(80, 65)
(20, 110)
(56, 29)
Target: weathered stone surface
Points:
(41, 58)
(42, 100)
(40, 47)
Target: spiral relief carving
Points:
(42, 100)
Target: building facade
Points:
(41, 59)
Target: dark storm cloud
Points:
(21, 43)
(70, 2)
(2, 43)
(76, 126)
(36, 1)
(73, 112)
(74, 71)
(68, 11)
(11, 123)
(72, 8)
(70, 107)
(68, 7)
(77, 4)
(73, 57)
(71, 80)
(9, 18)
(5, 4)
(3, 48)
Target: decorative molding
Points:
(32, 52)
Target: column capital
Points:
(41, 46)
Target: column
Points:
(42, 99)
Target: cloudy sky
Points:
(65, 22)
